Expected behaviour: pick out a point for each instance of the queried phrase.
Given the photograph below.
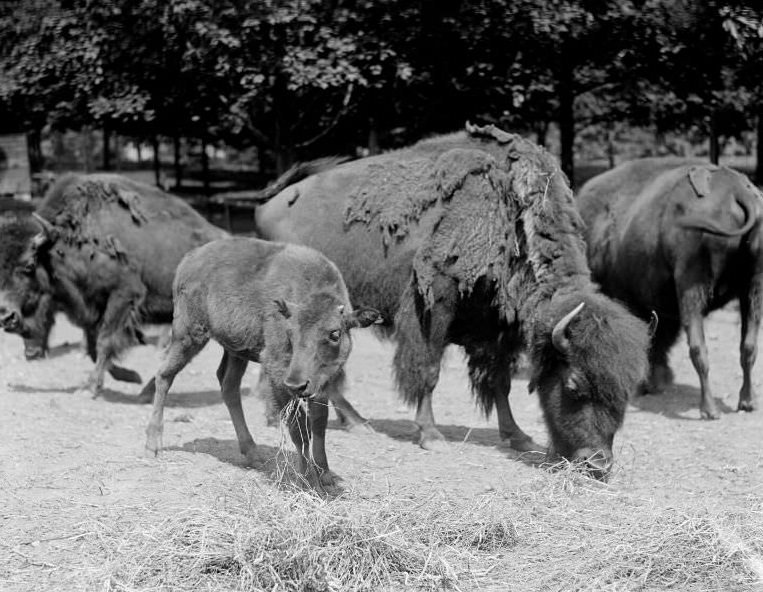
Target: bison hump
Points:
(395, 193)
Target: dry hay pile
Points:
(561, 531)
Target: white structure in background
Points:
(15, 178)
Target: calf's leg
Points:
(319, 468)
(750, 310)
(181, 351)
(229, 374)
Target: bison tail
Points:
(296, 173)
(749, 205)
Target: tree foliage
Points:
(300, 77)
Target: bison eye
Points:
(334, 336)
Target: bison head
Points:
(26, 303)
(589, 357)
(312, 341)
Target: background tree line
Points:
(299, 78)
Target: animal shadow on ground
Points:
(274, 463)
(678, 401)
(64, 348)
(405, 430)
(25, 388)
(181, 399)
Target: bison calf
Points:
(284, 306)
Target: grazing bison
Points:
(474, 239)
(284, 306)
(104, 252)
(681, 238)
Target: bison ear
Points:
(282, 308)
(699, 178)
(363, 317)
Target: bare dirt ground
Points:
(73, 471)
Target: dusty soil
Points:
(68, 460)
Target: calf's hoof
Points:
(329, 479)
(125, 375)
(90, 390)
(710, 413)
(661, 377)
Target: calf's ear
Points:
(363, 317)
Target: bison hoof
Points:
(90, 391)
(746, 406)
(433, 440)
(710, 413)
(525, 445)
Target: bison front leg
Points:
(750, 310)
(490, 374)
(114, 330)
(117, 372)
(421, 339)
(300, 429)
(692, 304)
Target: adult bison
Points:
(103, 250)
(681, 238)
(474, 239)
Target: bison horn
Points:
(559, 334)
(654, 320)
(47, 228)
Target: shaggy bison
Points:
(474, 239)
(681, 238)
(284, 306)
(104, 252)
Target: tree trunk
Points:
(373, 137)
(715, 146)
(117, 152)
(611, 147)
(759, 144)
(157, 163)
(541, 131)
(35, 150)
(205, 167)
(176, 161)
(86, 136)
(106, 147)
(567, 122)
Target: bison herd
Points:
(473, 239)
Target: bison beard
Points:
(498, 262)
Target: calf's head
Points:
(315, 338)
(589, 357)
(26, 303)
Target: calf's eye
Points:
(334, 336)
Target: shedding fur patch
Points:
(504, 211)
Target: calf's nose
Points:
(298, 385)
